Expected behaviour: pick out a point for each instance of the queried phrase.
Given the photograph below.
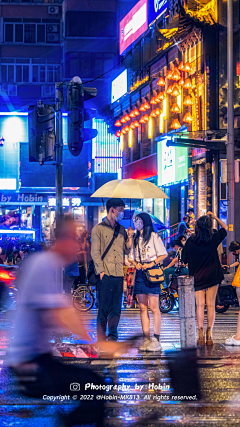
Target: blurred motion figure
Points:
(41, 308)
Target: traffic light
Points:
(41, 129)
(77, 94)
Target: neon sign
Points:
(133, 25)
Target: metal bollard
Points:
(186, 298)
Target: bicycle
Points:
(83, 297)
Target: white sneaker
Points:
(144, 344)
(232, 341)
(154, 345)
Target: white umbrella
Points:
(130, 189)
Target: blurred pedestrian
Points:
(174, 259)
(18, 256)
(10, 259)
(42, 308)
(147, 252)
(170, 263)
(7, 222)
(182, 227)
(109, 244)
(200, 253)
(182, 240)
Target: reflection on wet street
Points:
(142, 394)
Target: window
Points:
(7, 72)
(31, 32)
(35, 73)
(8, 32)
(40, 33)
(45, 74)
(22, 71)
(19, 33)
(87, 64)
(91, 24)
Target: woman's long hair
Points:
(203, 230)
(147, 231)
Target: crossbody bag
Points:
(154, 275)
(92, 277)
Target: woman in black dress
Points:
(201, 255)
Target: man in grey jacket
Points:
(110, 269)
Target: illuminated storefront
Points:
(27, 189)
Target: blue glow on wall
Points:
(14, 129)
(105, 149)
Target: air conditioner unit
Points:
(53, 10)
(52, 28)
(8, 89)
(47, 91)
(53, 38)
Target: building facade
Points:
(177, 73)
(43, 42)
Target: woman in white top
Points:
(147, 252)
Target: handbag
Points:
(92, 277)
(236, 280)
(154, 275)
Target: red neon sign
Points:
(133, 25)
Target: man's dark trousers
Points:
(110, 290)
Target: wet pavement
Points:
(147, 399)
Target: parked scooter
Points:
(226, 295)
(169, 296)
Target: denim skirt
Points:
(141, 285)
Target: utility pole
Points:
(59, 152)
(230, 125)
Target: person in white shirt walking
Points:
(147, 252)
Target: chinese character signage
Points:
(75, 202)
(156, 9)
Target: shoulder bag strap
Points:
(115, 234)
(139, 253)
(159, 265)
